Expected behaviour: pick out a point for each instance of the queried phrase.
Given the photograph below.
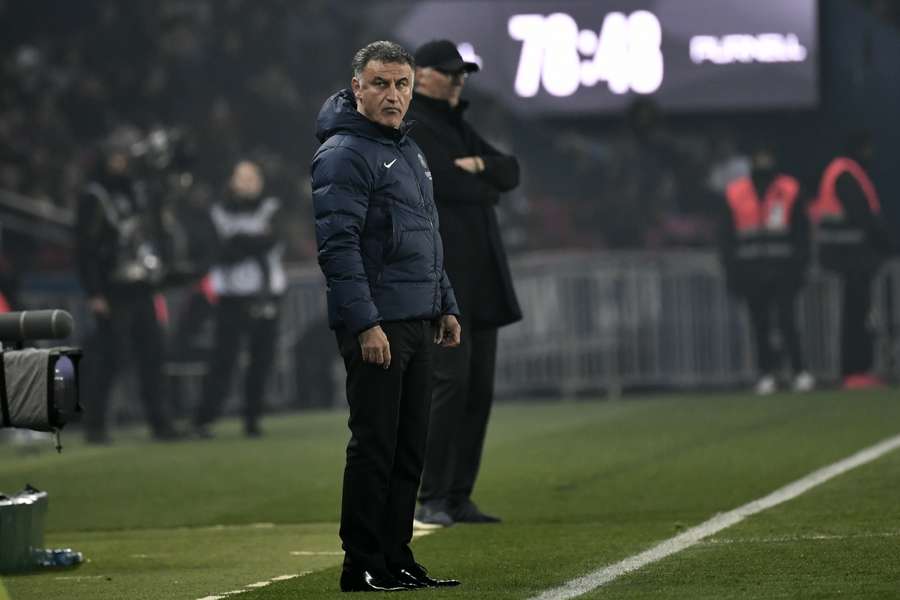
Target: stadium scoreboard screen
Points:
(557, 57)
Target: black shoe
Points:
(252, 430)
(365, 581)
(167, 434)
(432, 514)
(416, 576)
(467, 512)
(202, 432)
(97, 438)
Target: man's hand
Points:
(99, 306)
(447, 331)
(375, 347)
(472, 164)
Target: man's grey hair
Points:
(382, 51)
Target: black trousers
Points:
(388, 425)
(857, 342)
(239, 320)
(130, 330)
(460, 409)
(760, 302)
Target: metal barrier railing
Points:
(608, 321)
(601, 321)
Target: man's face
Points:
(383, 92)
(441, 85)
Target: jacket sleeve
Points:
(726, 239)
(88, 225)
(341, 185)
(448, 298)
(800, 231)
(451, 184)
(500, 170)
(858, 213)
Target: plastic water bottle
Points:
(55, 558)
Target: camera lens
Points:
(65, 387)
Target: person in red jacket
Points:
(764, 250)
(852, 240)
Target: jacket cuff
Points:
(357, 328)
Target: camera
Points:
(38, 386)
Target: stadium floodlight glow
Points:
(38, 386)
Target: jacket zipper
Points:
(435, 306)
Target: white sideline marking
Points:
(254, 586)
(260, 584)
(799, 538)
(591, 581)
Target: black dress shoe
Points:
(202, 432)
(468, 512)
(167, 434)
(415, 576)
(365, 581)
(98, 438)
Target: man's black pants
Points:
(460, 409)
(238, 319)
(131, 329)
(760, 302)
(388, 424)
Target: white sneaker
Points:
(765, 386)
(804, 382)
(422, 526)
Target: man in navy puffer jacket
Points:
(389, 302)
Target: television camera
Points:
(38, 386)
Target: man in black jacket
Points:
(469, 175)
(119, 237)
(389, 301)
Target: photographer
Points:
(119, 234)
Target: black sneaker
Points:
(202, 432)
(167, 434)
(252, 430)
(97, 438)
(468, 512)
(431, 515)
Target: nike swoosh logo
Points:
(390, 164)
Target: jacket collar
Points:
(339, 114)
(439, 106)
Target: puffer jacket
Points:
(377, 229)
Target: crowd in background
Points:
(241, 77)
(244, 78)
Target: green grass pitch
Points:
(580, 485)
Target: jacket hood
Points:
(339, 115)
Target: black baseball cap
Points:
(443, 55)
